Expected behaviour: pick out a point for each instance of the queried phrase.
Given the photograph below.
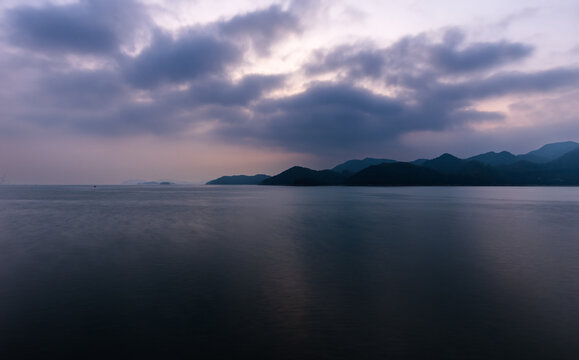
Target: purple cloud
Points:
(435, 83)
(193, 55)
(87, 27)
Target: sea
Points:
(267, 272)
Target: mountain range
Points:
(552, 164)
(239, 180)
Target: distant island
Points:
(159, 182)
(552, 164)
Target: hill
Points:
(445, 163)
(552, 151)
(396, 174)
(239, 180)
(563, 170)
(552, 164)
(354, 166)
(494, 159)
(300, 176)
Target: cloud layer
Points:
(104, 68)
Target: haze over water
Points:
(289, 273)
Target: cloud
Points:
(435, 86)
(209, 50)
(193, 80)
(123, 95)
(478, 56)
(88, 27)
(357, 60)
(194, 54)
(261, 28)
(505, 83)
(324, 118)
(418, 55)
(100, 103)
(103, 28)
(94, 90)
(133, 119)
(220, 91)
(517, 16)
(330, 117)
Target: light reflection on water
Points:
(282, 272)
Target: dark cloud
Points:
(478, 56)
(225, 92)
(437, 86)
(194, 54)
(432, 85)
(99, 102)
(460, 116)
(212, 99)
(261, 28)
(325, 118)
(505, 83)
(92, 90)
(329, 117)
(418, 55)
(125, 96)
(87, 27)
(103, 27)
(441, 105)
(358, 61)
(210, 50)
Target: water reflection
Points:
(278, 272)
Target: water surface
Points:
(289, 273)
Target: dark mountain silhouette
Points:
(521, 173)
(451, 171)
(531, 158)
(494, 159)
(239, 180)
(464, 172)
(552, 151)
(542, 155)
(300, 176)
(354, 166)
(399, 173)
(419, 161)
(477, 173)
(445, 163)
(563, 170)
(488, 169)
(569, 161)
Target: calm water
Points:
(289, 273)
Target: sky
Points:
(103, 91)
